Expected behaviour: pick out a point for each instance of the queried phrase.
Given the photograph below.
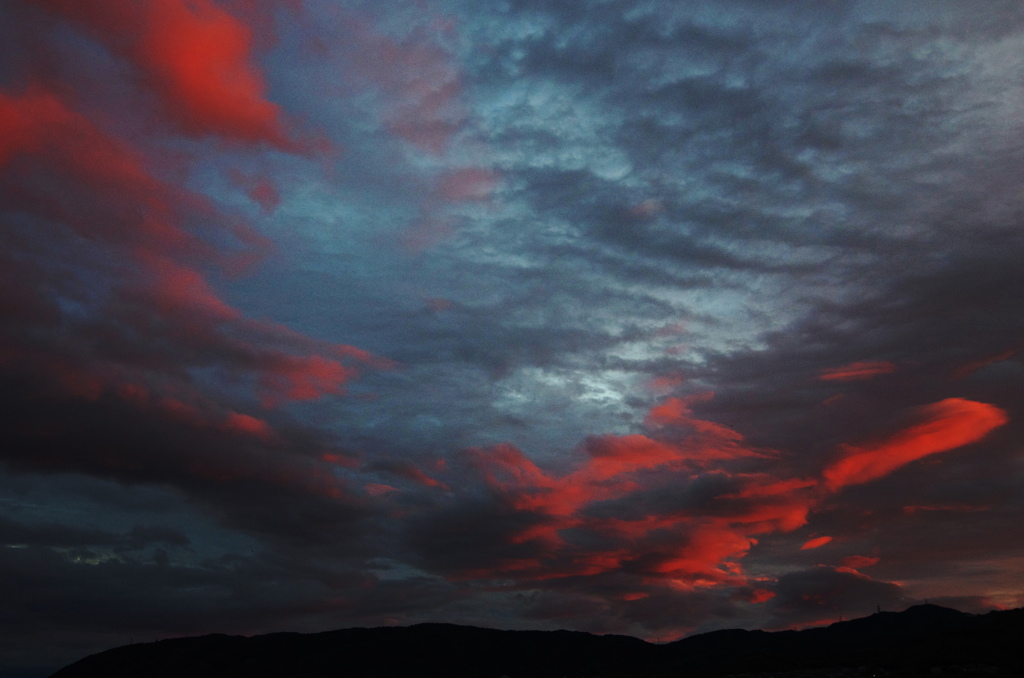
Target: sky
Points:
(621, 316)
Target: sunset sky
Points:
(641, 317)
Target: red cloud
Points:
(439, 220)
(288, 365)
(304, 378)
(677, 412)
(946, 425)
(858, 371)
(417, 85)
(338, 459)
(683, 548)
(707, 558)
(110, 301)
(612, 456)
(856, 562)
(26, 120)
(751, 594)
(418, 80)
(673, 410)
(817, 542)
(377, 489)
(194, 441)
(666, 383)
(259, 189)
(970, 368)
(248, 425)
(425, 480)
(194, 56)
(696, 545)
(98, 185)
(775, 514)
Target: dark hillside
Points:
(925, 640)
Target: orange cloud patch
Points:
(858, 371)
(817, 542)
(946, 425)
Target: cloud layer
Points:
(632, 317)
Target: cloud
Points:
(523, 207)
(196, 57)
(120, 352)
(815, 543)
(260, 190)
(945, 425)
(148, 297)
(969, 368)
(147, 593)
(566, 539)
(824, 593)
(417, 77)
(409, 85)
(56, 535)
(671, 513)
(856, 562)
(408, 471)
(857, 371)
(246, 477)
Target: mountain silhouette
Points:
(924, 640)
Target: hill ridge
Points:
(917, 641)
